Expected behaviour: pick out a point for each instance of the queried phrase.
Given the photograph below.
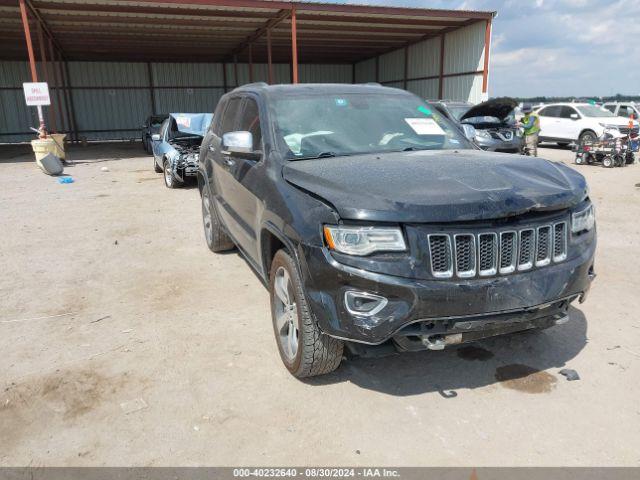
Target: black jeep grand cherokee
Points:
(375, 222)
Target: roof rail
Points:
(254, 84)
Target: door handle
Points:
(229, 162)
(212, 148)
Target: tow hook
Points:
(562, 320)
(438, 342)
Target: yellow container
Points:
(54, 143)
(59, 139)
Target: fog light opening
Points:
(363, 303)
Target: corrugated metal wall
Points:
(112, 100)
(462, 69)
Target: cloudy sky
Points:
(557, 47)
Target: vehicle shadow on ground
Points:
(519, 359)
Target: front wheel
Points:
(587, 137)
(304, 349)
(607, 162)
(170, 180)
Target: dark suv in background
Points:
(376, 224)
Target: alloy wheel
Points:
(286, 314)
(168, 177)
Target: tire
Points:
(214, 233)
(170, 179)
(580, 160)
(156, 168)
(587, 136)
(304, 349)
(629, 158)
(607, 162)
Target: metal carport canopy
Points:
(219, 30)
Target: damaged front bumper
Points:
(419, 312)
(185, 165)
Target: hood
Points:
(192, 123)
(437, 186)
(497, 107)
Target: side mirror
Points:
(155, 137)
(240, 144)
(469, 131)
(575, 116)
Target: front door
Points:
(220, 178)
(245, 176)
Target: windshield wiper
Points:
(321, 155)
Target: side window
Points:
(551, 111)
(229, 116)
(566, 112)
(217, 117)
(250, 122)
(624, 111)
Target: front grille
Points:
(467, 255)
(625, 130)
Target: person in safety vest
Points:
(531, 126)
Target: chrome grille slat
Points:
(526, 248)
(467, 255)
(440, 255)
(487, 254)
(508, 252)
(543, 246)
(559, 241)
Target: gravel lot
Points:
(124, 341)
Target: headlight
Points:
(584, 220)
(607, 126)
(363, 240)
(482, 134)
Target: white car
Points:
(624, 109)
(566, 123)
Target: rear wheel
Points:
(214, 233)
(607, 162)
(304, 349)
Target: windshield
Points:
(593, 111)
(458, 111)
(323, 125)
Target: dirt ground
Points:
(124, 341)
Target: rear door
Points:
(550, 121)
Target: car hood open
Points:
(437, 186)
(496, 107)
(192, 123)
